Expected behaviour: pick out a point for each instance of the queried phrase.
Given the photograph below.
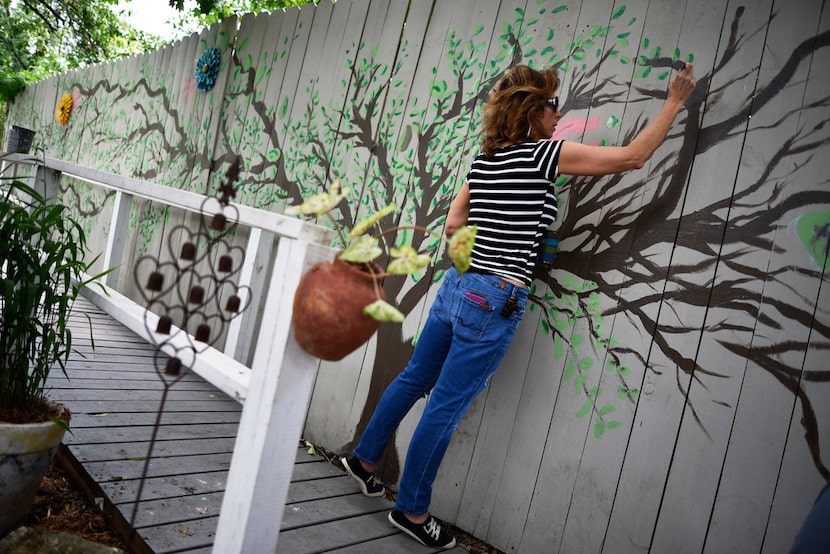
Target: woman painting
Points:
(509, 196)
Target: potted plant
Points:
(42, 268)
(340, 304)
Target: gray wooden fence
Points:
(667, 392)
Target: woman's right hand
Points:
(583, 159)
(682, 85)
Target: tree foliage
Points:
(208, 12)
(43, 37)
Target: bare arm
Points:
(582, 159)
(459, 210)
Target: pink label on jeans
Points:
(476, 298)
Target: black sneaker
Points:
(428, 533)
(366, 479)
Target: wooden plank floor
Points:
(114, 393)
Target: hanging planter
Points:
(207, 69)
(20, 140)
(329, 319)
(339, 305)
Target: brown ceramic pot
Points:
(328, 314)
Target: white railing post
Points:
(45, 181)
(243, 329)
(119, 224)
(273, 415)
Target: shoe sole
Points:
(414, 536)
(360, 482)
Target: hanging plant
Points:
(338, 305)
(64, 109)
(207, 69)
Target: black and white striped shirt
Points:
(512, 201)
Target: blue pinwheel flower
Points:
(207, 69)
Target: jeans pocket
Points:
(472, 317)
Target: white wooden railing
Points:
(275, 389)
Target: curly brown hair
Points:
(513, 103)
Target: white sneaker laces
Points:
(433, 528)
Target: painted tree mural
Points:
(414, 161)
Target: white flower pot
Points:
(25, 452)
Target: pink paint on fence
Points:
(571, 126)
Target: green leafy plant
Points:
(362, 248)
(42, 269)
(11, 86)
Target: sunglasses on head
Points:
(553, 103)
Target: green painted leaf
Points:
(558, 347)
(605, 410)
(618, 12)
(569, 371)
(599, 429)
(578, 383)
(585, 410)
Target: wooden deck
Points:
(114, 394)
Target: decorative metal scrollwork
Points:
(193, 291)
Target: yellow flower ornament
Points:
(64, 109)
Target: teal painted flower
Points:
(207, 69)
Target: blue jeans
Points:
(814, 536)
(462, 343)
